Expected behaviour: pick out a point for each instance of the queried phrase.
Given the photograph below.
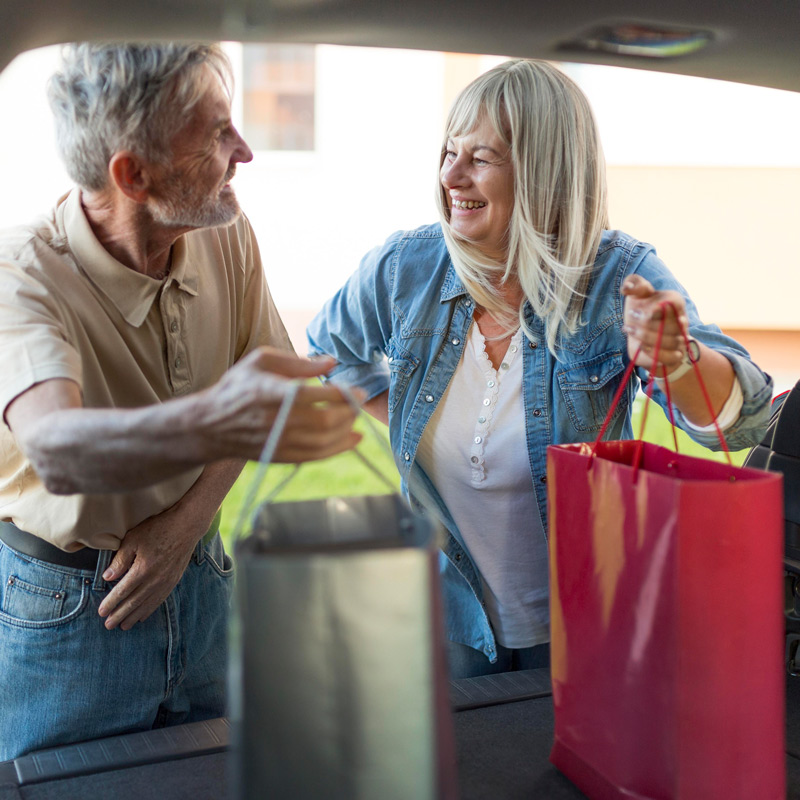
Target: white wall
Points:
(374, 171)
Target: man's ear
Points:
(130, 174)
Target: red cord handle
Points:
(648, 396)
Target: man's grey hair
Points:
(134, 96)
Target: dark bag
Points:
(779, 451)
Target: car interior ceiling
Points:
(737, 41)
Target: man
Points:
(135, 382)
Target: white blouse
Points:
(474, 451)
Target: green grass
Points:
(340, 476)
(659, 431)
(346, 474)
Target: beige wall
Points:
(729, 234)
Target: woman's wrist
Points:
(690, 358)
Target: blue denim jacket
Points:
(400, 323)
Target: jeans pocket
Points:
(35, 595)
(217, 558)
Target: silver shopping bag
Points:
(338, 679)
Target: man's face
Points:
(194, 190)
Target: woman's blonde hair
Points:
(560, 206)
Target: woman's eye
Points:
(449, 155)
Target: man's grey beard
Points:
(183, 207)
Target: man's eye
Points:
(479, 161)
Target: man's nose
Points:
(242, 152)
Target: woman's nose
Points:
(453, 174)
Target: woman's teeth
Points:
(468, 204)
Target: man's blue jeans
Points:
(65, 678)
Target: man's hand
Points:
(149, 563)
(241, 409)
(97, 450)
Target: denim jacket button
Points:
(594, 379)
(537, 412)
(428, 398)
(407, 456)
(456, 342)
(533, 345)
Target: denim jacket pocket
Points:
(402, 364)
(588, 387)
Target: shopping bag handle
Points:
(649, 394)
(271, 445)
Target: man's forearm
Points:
(200, 504)
(93, 450)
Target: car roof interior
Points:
(740, 40)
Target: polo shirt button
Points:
(474, 459)
(178, 362)
(481, 420)
(428, 398)
(486, 401)
(478, 440)
(490, 384)
(174, 326)
(513, 348)
(504, 365)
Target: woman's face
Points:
(478, 179)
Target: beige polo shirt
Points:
(68, 309)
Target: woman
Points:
(507, 327)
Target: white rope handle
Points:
(271, 445)
(267, 453)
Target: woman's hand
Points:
(642, 319)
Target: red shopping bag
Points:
(666, 624)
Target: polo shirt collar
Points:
(131, 293)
